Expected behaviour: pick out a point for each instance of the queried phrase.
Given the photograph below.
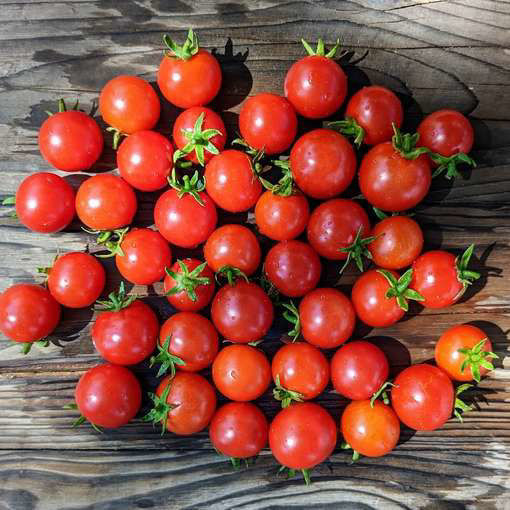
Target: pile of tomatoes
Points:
(293, 187)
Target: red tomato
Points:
(293, 268)
(76, 279)
(241, 372)
(108, 395)
(45, 202)
(323, 163)
(105, 202)
(268, 122)
(327, 318)
(145, 160)
(423, 397)
(358, 370)
(145, 255)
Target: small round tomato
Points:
(129, 104)
(268, 122)
(144, 256)
(242, 312)
(241, 372)
(28, 312)
(398, 242)
(105, 202)
(45, 202)
(192, 338)
(145, 160)
(423, 397)
(358, 370)
(239, 430)
(293, 268)
(323, 163)
(108, 395)
(76, 279)
(327, 318)
(370, 429)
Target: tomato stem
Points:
(405, 144)
(186, 280)
(184, 52)
(320, 51)
(448, 165)
(459, 406)
(355, 454)
(348, 127)
(231, 273)
(285, 185)
(291, 314)
(477, 357)
(159, 413)
(117, 135)
(194, 185)
(81, 419)
(381, 392)
(465, 275)
(110, 239)
(166, 358)
(357, 250)
(285, 396)
(399, 289)
(116, 300)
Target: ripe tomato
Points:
(358, 370)
(327, 318)
(323, 163)
(316, 85)
(239, 430)
(370, 429)
(145, 160)
(45, 202)
(293, 268)
(189, 285)
(423, 397)
(108, 395)
(231, 182)
(76, 279)
(105, 202)
(241, 372)
(188, 76)
(268, 122)
(144, 256)
(398, 242)
(242, 312)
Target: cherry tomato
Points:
(108, 395)
(45, 202)
(423, 397)
(145, 255)
(327, 318)
(323, 163)
(241, 372)
(105, 202)
(268, 122)
(129, 104)
(370, 429)
(76, 279)
(145, 160)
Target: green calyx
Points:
(62, 107)
(383, 393)
(355, 454)
(184, 52)
(194, 185)
(291, 473)
(117, 136)
(477, 357)
(161, 408)
(166, 359)
(27, 346)
(405, 144)
(348, 127)
(116, 300)
(399, 289)
(291, 314)
(186, 280)
(320, 51)
(237, 462)
(285, 185)
(465, 276)
(459, 406)
(357, 250)
(110, 239)
(285, 396)
(231, 274)
(255, 154)
(9, 202)
(448, 165)
(81, 419)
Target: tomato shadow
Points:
(72, 322)
(169, 113)
(397, 353)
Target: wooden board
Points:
(435, 54)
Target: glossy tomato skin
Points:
(302, 435)
(192, 82)
(108, 395)
(375, 109)
(268, 122)
(334, 224)
(231, 181)
(128, 336)
(392, 183)
(76, 279)
(183, 221)
(192, 338)
(105, 202)
(372, 431)
(323, 163)
(242, 312)
(145, 160)
(241, 372)
(239, 430)
(129, 104)
(45, 202)
(316, 86)
(70, 141)
(146, 255)
(28, 312)
(358, 370)
(422, 397)
(293, 267)
(398, 242)
(327, 318)
(282, 218)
